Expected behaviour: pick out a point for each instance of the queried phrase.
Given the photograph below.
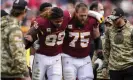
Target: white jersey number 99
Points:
(53, 39)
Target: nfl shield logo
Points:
(48, 29)
(69, 26)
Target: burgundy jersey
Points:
(50, 38)
(77, 40)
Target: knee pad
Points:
(55, 71)
(55, 77)
(36, 74)
(87, 78)
(69, 74)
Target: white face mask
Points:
(101, 12)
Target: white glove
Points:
(96, 15)
(99, 62)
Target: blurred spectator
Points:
(71, 6)
(98, 7)
(119, 47)
(6, 7)
(127, 6)
(3, 13)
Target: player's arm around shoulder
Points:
(18, 52)
(96, 15)
(95, 25)
(32, 34)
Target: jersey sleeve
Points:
(33, 31)
(96, 32)
(67, 15)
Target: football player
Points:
(50, 29)
(44, 7)
(80, 31)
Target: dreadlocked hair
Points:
(46, 14)
(53, 13)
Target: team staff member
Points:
(119, 47)
(13, 58)
(51, 32)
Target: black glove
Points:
(100, 54)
